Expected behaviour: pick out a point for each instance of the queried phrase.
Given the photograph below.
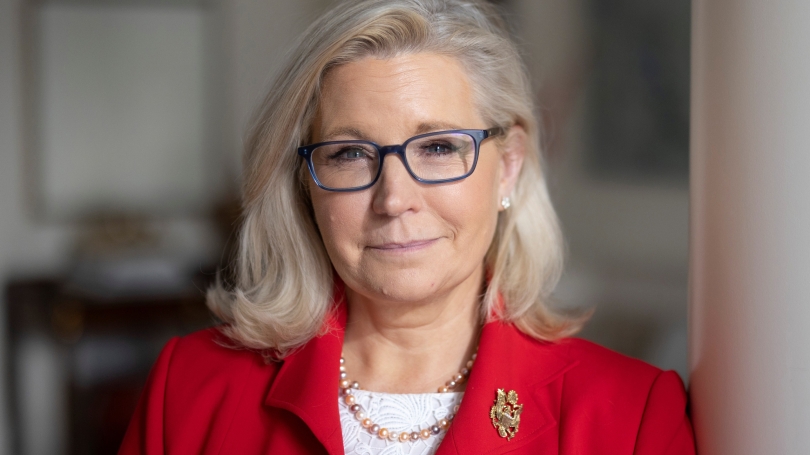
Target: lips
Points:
(403, 246)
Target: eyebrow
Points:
(435, 126)
(349, 131)
(355, 133)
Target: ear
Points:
(512, 154)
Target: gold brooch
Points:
(505, 414)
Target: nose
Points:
(396, 192)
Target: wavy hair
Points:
(283, 278)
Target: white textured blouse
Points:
(396, 412)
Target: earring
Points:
(506, 203)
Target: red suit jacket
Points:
(578, 398)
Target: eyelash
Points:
(445, 145)
(339, 153)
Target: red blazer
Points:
(578, 398)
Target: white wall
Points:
(256, 36)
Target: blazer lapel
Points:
(508, 360)
(307, 382)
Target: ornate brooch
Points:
(505, 414)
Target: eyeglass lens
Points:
(430, 158)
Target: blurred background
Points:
(120, 136)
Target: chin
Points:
(406, 286)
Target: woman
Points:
(393, 299)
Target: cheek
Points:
(485, 183)
(471, 206)
(339, 217)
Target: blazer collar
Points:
(307, 381)
(307, 385)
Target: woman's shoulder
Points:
(199, 385)
(644, 401)
(584, 366)
(209, 341)
(207, 358)
(590, 375)
(604, 378)
(594, 359)
(603, 401)
(639, 404)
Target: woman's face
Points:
(402, 240)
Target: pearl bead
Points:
(455, 409)
(347, 386)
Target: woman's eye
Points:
(353, 154)
(439, 148)
(350, 154)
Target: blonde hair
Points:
(283, 279)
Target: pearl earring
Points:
(506, 203)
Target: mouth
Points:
(403, 247)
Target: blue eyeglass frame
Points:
(478, 137)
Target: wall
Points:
(750, 213)
(25, 247)
(257, 34)
(627, 240)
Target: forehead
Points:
(396, 97)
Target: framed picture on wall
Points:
(123, 107)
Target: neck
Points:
(412, 347)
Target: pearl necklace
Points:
(426, 431)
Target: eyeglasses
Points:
(438, 157)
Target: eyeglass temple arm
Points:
(495, 131)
